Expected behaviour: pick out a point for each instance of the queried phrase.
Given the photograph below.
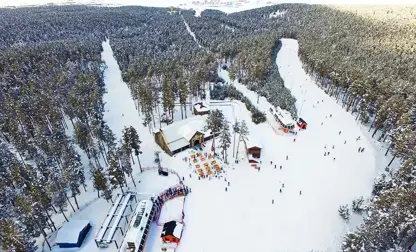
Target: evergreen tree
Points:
(115, 173)
(236, 129)
(344, 212)
(244, 132)
(183, 95)
(14, 237)
(83, 138)
(225, 138)
(135, 143)
(214, 123)
(128, 143)
(357, 205)
(168, 97)
(125, 164)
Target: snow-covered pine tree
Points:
(168, 97)
(225, 138)
(14, 237)
(244, 133)
(344, 212)
(127, 143)
(183, 96)
(214, 123)
(125, 163)
(135, 143)
(236, 129)
(83, 138)
(357, 205)
(115, 173)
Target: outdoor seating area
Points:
(204, 163)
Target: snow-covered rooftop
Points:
(172, 227)
(201, 107)
(284, 116)
(253, 140)
(136, 230)
(69, 233)
(179, 133)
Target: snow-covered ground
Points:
(216, 219)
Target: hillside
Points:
(57, 138)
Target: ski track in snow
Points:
(191, 32)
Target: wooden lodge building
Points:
(182, 135)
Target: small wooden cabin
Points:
(171, 233)
(254, 151)
(201, 108)
(301, 123)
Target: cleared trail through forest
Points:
(191, 32)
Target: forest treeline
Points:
(52, 85)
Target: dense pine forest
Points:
(52, 83)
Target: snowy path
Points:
(191, 32)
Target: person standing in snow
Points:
(300, 192)
(280, 167)
(228, 183)
(275, 166)
(334, 159)
(325, 153)
(226, 189)
(283, 185)
(339, 133)
(362, 149)
(359, 149)
(322, 123)
(287, 157)
(345, 142)
(280, 190)
(333, 146)
(294, 139)
(271, 162)
(272, 201)
(358, 138)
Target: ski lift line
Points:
(108, 219)
(118, 217)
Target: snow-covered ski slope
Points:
(243, 218)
